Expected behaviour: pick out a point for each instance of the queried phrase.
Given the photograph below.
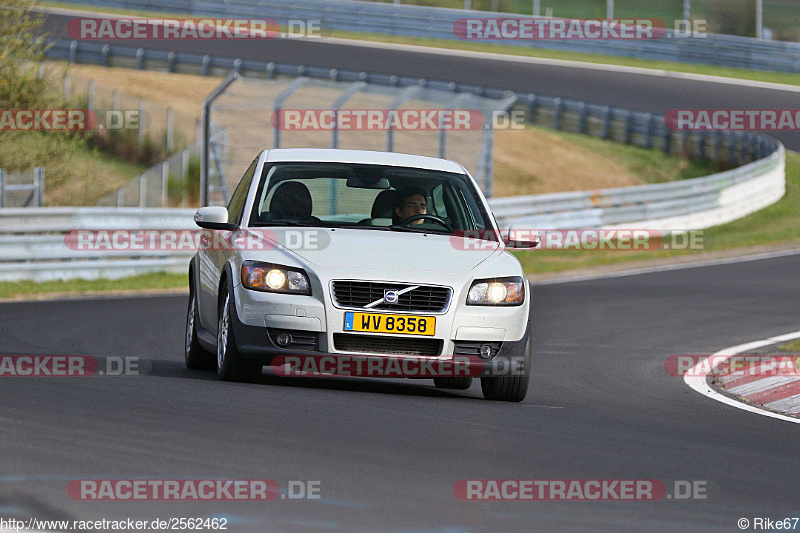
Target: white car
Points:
(349, 252)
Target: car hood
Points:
(338, 248)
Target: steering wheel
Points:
(434, 218)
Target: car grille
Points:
(347, 342)
(424, 298)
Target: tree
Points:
(21, 51)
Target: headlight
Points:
(267, 277)
(500, 291)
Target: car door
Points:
(212, 260)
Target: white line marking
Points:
(666, 268)
(696, 377)
(499, 57)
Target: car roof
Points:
(367, 157)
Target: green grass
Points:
(651, 166)
(154, 281)
(793, 346)
(776, 224)
(774, 77)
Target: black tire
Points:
(195, 356)
(512, 388)
(230, 365)
(460, 383)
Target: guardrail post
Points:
(559, 108)
(606, 122)
(648, 139)
(2, 187)
(582, 117)
(142, 191)
(205, 65)
(38, 181)
(667, 142)
(170, 129)
(141, 127)
(164, 183)
(140, 58)
(171, 61)
(106, 52)
(73, 51)
(731, 138)
(629, 127)
(701, 144)
(717, 145)
(685, 142)
(185, 164)
(532, 108)
(90, 95)
(67, 87)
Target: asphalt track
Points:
(387, 453)
(639, 92)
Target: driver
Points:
(410, 201)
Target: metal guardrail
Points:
(687, 204)
(35, 245)
(436, 22)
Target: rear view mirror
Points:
(213, 217)
(521, 238)
(363, 182)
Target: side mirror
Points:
(214, 217)
(521, 238)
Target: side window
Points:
(438, 201)
(239, 197)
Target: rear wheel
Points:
(195, 356)
(511, 388)
(460, 383)
(230, 365)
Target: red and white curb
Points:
(778, 392)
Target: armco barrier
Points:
(687, 204)
(34, 247)
(435, 22)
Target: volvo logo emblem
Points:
(390, 297)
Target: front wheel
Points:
(511, 388)
(195, 356)
(230, 365)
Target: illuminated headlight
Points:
(501, 291)
(267, 277)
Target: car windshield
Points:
(358, 196)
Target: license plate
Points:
(381, 323)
